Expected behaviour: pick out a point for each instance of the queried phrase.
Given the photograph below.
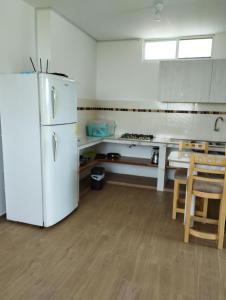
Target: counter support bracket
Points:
(161, 168)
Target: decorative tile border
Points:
(168, 111)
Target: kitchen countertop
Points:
(154, 141)
(85, 142)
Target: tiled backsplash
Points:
(85, 115)
(188, 120)
(169, 111)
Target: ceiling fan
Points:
(156, 8)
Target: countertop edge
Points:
(92, 141)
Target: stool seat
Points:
(181, 174)
(208, 187)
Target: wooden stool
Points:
(207, 179)
(180, 178)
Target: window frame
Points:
(178, 39)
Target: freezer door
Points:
(58, 100)
(60, 172)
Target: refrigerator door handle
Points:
(54, 144)
(53, 100)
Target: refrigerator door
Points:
(58, 100)
(60, 172)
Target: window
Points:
(178, 49)
(195, 48)
(160, 50)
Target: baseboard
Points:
(128, 180)
(2, 213)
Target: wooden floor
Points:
(121, 244)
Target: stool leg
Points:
(175, 198)
(205, 207)
(221, 223)
(188, 214)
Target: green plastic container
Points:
(100, 128)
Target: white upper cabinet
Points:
(218, 85)
(185, 81)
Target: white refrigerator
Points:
(40, 156)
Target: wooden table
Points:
(182, 159)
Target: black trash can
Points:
(97, 178)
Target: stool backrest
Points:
(212, 165)
(193, 146)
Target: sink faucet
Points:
(216, 128)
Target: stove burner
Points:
(139, 137)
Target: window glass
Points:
(160, 50)
(195, 48)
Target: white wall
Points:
(177, 125)
(17, 44)
(219, 47)
(122, 75)
(2, 189)
(69, 50)
(72, 52)
(125, 81)
(17, 36)
(43, 37)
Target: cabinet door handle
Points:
(54, 145)
(53, 101)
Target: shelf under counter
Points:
(136, 158)
(125, 160)
(136, 181)
(132, 181)
(88, 165)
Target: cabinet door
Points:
(218, 86)
(185, 81)
(167, 81)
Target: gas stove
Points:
(137, 137)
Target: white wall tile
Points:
(203, 128)
(179, 125)
(87, 102)
(132, 104)
(210, 107)
(180, 106)
(83, 117)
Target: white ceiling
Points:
(125, 19)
